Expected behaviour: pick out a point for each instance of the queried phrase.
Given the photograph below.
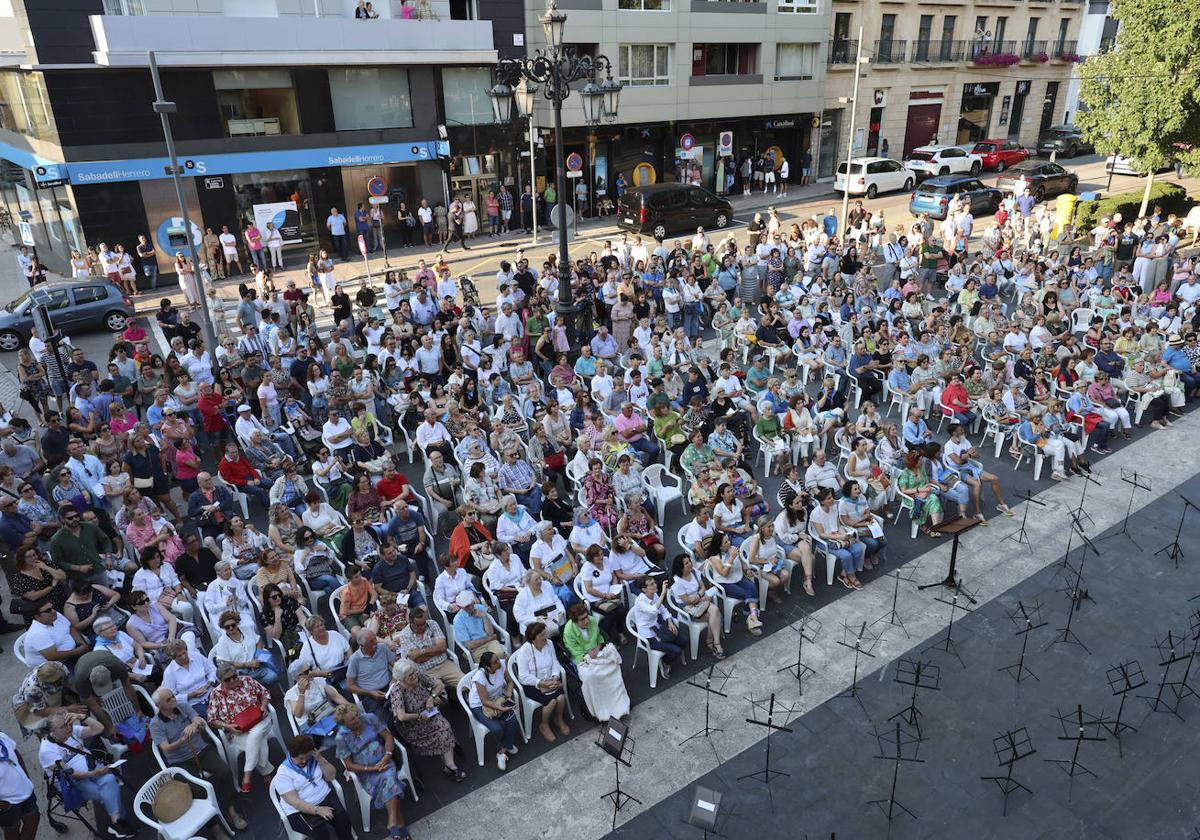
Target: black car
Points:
(1067, 140)
(1042, 177)
(663, 209)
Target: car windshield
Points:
(920, 155)
(12, 306)
(1058, 133)
(940, 189)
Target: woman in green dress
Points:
(915, 483)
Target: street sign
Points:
(574, 162)
(575, 174)
(362, 245)
(725, 143)
(26, 233)
(214, 183)
(376, 186)
(378, 199)
(686, 142)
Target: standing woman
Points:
(32, 375)
(144, 463)
(187, 280)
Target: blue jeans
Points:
(286, 444)
(744, 590)
(671, 645)
(265, 674)
(103, 789)
(260, 258)
(872, 545)
(851, 558)
(150, 269)
(323, 583)
(691, 319)
(965, 418)
(647, 449)
(504, 728)
(257, 491)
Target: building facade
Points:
(707, 84)
(946, 72)
(1097, 33)
(286, 108)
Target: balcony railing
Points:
(940, 52)
(1031, 50)
(890, 52)
(842, 52)
(1065, 51)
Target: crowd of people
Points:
(229, 541)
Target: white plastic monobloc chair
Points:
(653, 657)
(480, 731)
(665, 487)
(277, 802)
(528, 706)
(203, 809)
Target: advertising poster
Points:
(283, 215)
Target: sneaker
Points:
(114, 749)
(502, 761)
(664, 669)
(512, 750)
(1058, 476)
(120, 834)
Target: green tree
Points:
(1142, 98)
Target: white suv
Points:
(925, 161)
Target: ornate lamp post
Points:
(554, 69)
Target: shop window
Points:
(724, 59)
(643, 65)
(799, 7)
(372, 97)
(795, 62)
(464, 94)
(645, 5)
(255, 102)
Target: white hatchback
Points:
(927, 161)
(872, 175)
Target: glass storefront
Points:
(252, 189)
(831, 127)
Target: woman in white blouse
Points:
(655, 624)
(161, 585)
(190, 677)
(537, 602)
(123, 646)
(553, 557)
(503, 578)
(541, 676)
(700, 604)
(450, 581)
(226, 592)
(322, 653)
(731, 516)
(604, 594)
(242, 647)
(586, 531)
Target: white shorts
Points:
(506, 215)
(769, 177)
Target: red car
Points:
(1000, 154)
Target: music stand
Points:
(1010, 748)
(1079, 514)
(1172, 649)
(1123, 678)
(707, 811)
(1074, 721)
(1021, 536)
(954, 527)
(772, 727)
(721, 677)
(1172, 550)
(1134, 480)
(947, 644)
(614, 739)
(807, 628)
(919, 675)
(1077, 595)
(1026, 618)
(892, 616)
(863, 642)
(897, 745)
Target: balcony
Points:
(887, 53)
(1034, 51)
(1065, 51)
(842, 52)
(939, 52)
(220, 41)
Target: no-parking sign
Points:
(376, 186)
(686, 142)
(574, 162)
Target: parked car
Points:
(1064, 139)
(1043, 178)
(872, 175)
(1121, 165)
(1000, 154)
(925, 161)
(662, 209)
(933, 196)
(75, 307)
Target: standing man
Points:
(145, 252)
(805, 167)
(527, 209)
(785, 170)
(229, 250)
(336, 223)
(457, 217)
(425, 217)
(892, 253)
(26, 262)
(506, 208)
(375, 240)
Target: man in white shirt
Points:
(1015, 341)
(25, 263)
(429, 358)
(51, 638)
(229, 250)
(432, 434)
(20, 819)
(337, 434)
(508, 324)
(821, 473)
(784, 172)
(247, 424)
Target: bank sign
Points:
(146, 169)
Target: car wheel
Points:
(945, 170)
(975, 167)
(1039, 194)
(908, 185)
(1074, 186)
(116, 321)
(1000, 166)
(872, 191)
(722, 220)
(660, 231)
(1072, 151)
(9, 341)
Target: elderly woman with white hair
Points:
(537, 601)
(515, 526)
(126, 649)
(227, 592)
(555, 559)
(414, 695)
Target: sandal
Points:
(808, 587)
(845, 581)
(1005, 509)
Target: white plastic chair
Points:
(764, 451)
(665, 487)
(831, 560)
(480, 731)
(242, 499)
(501, 633)
(19, 650)
(1081, 318)
(277, 802)
(203, 809)
(205, 733)
(642, 643)
(527, 706)
(1033, 451)
(695, 627)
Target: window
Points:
(724, 59)
(1063, 26)
(644, 65)
(123, 7)
(1001, 31)
(645, 5)
(52, 298)
(799, 7)
(924, 31)
(795, 61)
(255, 102)
(24, 104)
(374, 97)
(947, 50)
(464, 93)
(89, 294)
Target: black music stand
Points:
(1078, 513)
(920, 675)
(713, 674)
(614, 739)
(898, 746)
(1123, 678)
(1026, 618)
(1021, 536)
(1172, 649)
(1172, 550)
(947, 643)
(771, 708)
(807, 627)
(707, 811)
(954, 527)
(1077, 594)
(863, 642)
(1135, 481)
(1010, 748)
(1075, 722)
(904, 573)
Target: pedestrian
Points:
(187, 279)
(506, 208)
(492, 206)
(229, 251)
(336, 224)
(362, 225)
(325, 274)
(457, 220)
(408, 223)
(274, 242)
(784, 171)
(212, 252)
(127, 272)
(470, 217)
(805, 167)
(375, 240)
(441, 218)
(425, 215)
(527, 209)
(149, 260)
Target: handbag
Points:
(143, 483)
(556, 460)
(1112, 402)
(248, 718)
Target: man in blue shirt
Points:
(604, 346)
(1174, 356)
(396, 573)
(472, 629)
(14, 527)
(863, 367)
(336, 223)
(1109, 362)
(916, 430)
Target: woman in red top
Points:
(231, 712)
(956, 402)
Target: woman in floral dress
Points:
(412, 694)
(364, 745)
(601, 500)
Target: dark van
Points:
(663, 209)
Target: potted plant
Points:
(1041, 58)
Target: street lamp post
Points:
(555, 68)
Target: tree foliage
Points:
(1142, 98)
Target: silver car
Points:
(75, 306)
